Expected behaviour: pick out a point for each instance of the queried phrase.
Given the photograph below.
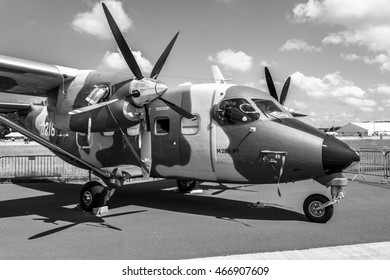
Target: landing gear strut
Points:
(314, 210)
(93, 195)
(317, 207)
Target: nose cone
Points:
(336, 155)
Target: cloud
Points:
(95, 23)
(265, 63)
(300, 45)
(185, 84)
(307, 12)
(113, 61)
(334, 88)
(350, 56)
(364, 23)
(232, 60)
(381, 89)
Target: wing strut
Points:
(54, 148)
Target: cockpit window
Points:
(270, 109)
(236, 111)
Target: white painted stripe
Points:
(368, 251)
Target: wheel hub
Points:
(87, 198)
(315, 209)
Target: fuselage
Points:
(258, 143)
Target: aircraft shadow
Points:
(153, 195)
(54, 206)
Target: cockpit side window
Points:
(236, 111)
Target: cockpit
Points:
(241, 110)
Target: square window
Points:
(161, 126)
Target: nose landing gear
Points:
(317, 207)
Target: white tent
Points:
(14, 135)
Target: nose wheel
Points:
(314, 209)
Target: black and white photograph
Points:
(194, 139)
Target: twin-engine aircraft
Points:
(215, 132)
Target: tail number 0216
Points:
(48, 129)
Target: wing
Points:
(12, 107)
(31, 78)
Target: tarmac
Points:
(152, 221)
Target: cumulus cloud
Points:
(363, 23)
(300, 45)
(350, 56)
(113, 61)
(232, 60)
(333, 86)
(95, 23)
(380, 88)
(185, 84)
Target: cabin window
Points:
(236, 111)
(161, 126)
(190, 126)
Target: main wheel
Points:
(92, 195)
(310, 207)
(186, 186)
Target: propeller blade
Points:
(283, 95)
(121, 42)
(91, 107)
(270, 84)
(178, 109)
(298, 115)
(161, 61)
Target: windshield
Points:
(270, 108)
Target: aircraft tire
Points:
(92, 195)
(187, 186)
(317, 216)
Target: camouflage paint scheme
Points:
(216, 152)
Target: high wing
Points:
(12, 107)
(31, 78)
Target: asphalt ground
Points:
(153, 221)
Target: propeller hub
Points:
(146, 90)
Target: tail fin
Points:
(218, 77)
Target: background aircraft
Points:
(218, 132)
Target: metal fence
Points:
(372, 162)
(39, 166)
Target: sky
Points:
(337, 53)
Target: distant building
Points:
(365, 129)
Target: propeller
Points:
(144, 90)
(283, 94)
(272, 90)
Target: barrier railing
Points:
(39, 166)
(372, 162)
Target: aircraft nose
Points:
(336, 155)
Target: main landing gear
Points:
(187, 186)
(94, 195)
(317, 207)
